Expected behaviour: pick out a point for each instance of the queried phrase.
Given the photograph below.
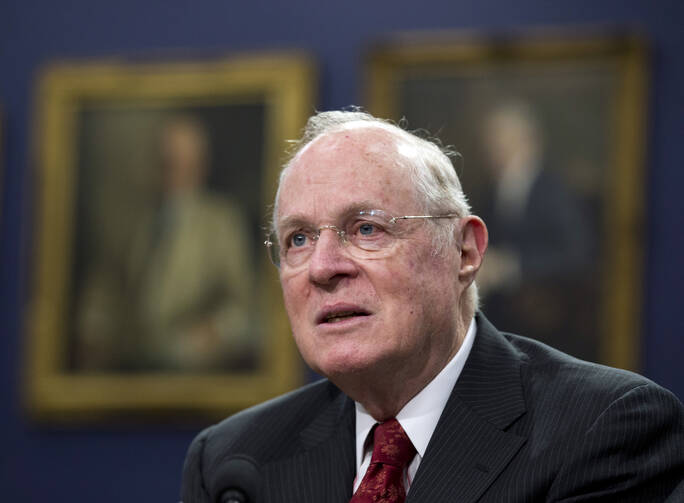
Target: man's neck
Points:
(384, 391)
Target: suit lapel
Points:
(470, 446)
(324, 468)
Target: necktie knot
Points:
(392, 452)
(391, 445)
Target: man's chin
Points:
(343, 368)
(344, 357)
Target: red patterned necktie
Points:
(392, 452)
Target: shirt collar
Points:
(420, 415)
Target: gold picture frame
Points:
(152, 293)
(584, 97)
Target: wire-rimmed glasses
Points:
(366, 234)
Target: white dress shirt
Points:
(418, 417)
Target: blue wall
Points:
(142, 464)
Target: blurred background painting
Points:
(163, 258)
(151, 284)
(538, 122)
(123, 121)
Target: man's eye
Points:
(298, 239)
(366, 229)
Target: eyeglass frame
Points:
(341, 233)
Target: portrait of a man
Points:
(378, 254)
(150, 289)
(542, 248)
(174, 292)
(550, 136)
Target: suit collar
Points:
(490, 382)
(470, 446)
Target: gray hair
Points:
(427, 164)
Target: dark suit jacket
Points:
(524, 423)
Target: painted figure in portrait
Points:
(175, 295)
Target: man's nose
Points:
(330, 258)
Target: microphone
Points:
(236, 481)
(234, 496)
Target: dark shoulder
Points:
(270, 429)
(258, 435)
(553, 379)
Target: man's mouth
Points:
(340, 313)
(344, 315)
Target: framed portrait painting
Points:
(152, 292)
(549, 131)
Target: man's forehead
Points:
(346, 165)
(371, 147)
(364, 136)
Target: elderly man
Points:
(424, 401)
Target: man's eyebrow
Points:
(356, 207)
(298, 220)
(293, 221)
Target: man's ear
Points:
(474, 239)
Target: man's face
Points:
(398, 313)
